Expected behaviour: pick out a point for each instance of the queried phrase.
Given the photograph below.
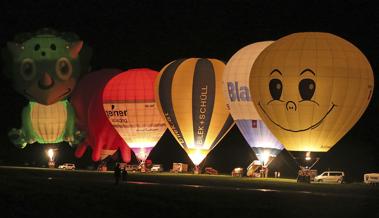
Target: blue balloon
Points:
(239, 102)
(261, 140)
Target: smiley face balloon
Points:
(310, 89)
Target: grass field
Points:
(35, 192)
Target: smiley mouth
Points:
(300, 130)
(60, 96)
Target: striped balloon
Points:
(190, 97)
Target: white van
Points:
(371, 178)
(330, 176)
(130, 167)
(156, 168)
(67, 166)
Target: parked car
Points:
(371, 178)
(210, 171)
(130, 167)
(67, 166)
(179, 168)
(156, 168)
(237, 172)
(331, 176)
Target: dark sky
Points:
(131, 34)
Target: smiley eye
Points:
(307, 88)
(28, 69)
(63, 68)
(275, 88)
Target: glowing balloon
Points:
(45, 124)
(238, 99)
(189, 94)
(87, 100)
(310, 89)
(129, 103)
(44, 67)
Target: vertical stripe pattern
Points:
(164, 100)
(203, 92)
(189, 95)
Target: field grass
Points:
(55, 193)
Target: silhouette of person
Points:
(117, 173)
(124, 175)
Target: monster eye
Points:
(37, 47)
(53, 47)
(63, 68)
(28, 69)
(276, 88)
(307, 88)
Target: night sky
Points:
(135, 34)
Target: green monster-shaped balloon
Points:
(44, 67)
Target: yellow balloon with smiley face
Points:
(310, 89)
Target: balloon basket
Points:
(142, 167)
(196, 170)
(306, 175)
(51, 164)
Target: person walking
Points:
(124, 175)
(117, 173)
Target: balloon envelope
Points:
(45, 65)
(49, 121)
(130, 106)
(87, 100)
(189, 93)
(238, 99)
(310, 89)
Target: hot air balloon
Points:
(189, 94)
(87, 99)
(238, 99)
(129, 103)
(44, 67)
(45, 124)
(310, 89)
